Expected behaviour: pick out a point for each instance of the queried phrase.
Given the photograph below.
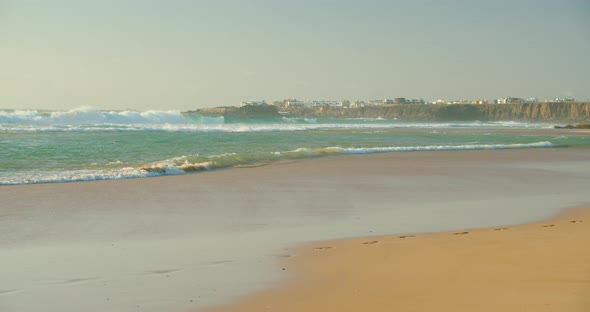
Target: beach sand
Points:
(543, 266)
(180, 243)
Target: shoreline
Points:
(338, 275)
(172, 164)
(198, 240)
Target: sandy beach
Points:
(322, 156)
(189, 242)
(542, 266)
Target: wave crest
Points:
(89, 116)
(185, 164)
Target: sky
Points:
(188, 54)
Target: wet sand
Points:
(179, 243)
(543, 266)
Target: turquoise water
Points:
(85, 144)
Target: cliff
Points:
(550, 112)
(579, 126)
(244, 111)
(577, 112)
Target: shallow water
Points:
(85, 144)
(172, 243)
(192, 240)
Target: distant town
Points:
(399, 101)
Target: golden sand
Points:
(534, 267)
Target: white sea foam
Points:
(152, 170)
(300, 119)
(182, 164)
(177, 165)
(74, 176)
(90, 116)
(369, 150)
(244, 127)
(92, 120)
(304, 150)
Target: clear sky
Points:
(185, 54)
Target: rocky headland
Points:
(580, 126)
(232, 111)
(550, 112)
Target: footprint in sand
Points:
(371, 242)
(217, 262)
(323, 248)
(549, 225)
(8, 291)
(576, 221)
(406, 236)
(164, 271)
(460, 233)
(500, 229)
(79, 280)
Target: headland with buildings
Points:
(501, 109)
(398, 100)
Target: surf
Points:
(195, 163)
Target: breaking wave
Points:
(88, 116)
(92, 120)
(192, 163)
(466, 147)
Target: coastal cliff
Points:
(553, 112)
(244, 111)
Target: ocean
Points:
(204, 233)
(86, 144)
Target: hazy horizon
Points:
(189, 54)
